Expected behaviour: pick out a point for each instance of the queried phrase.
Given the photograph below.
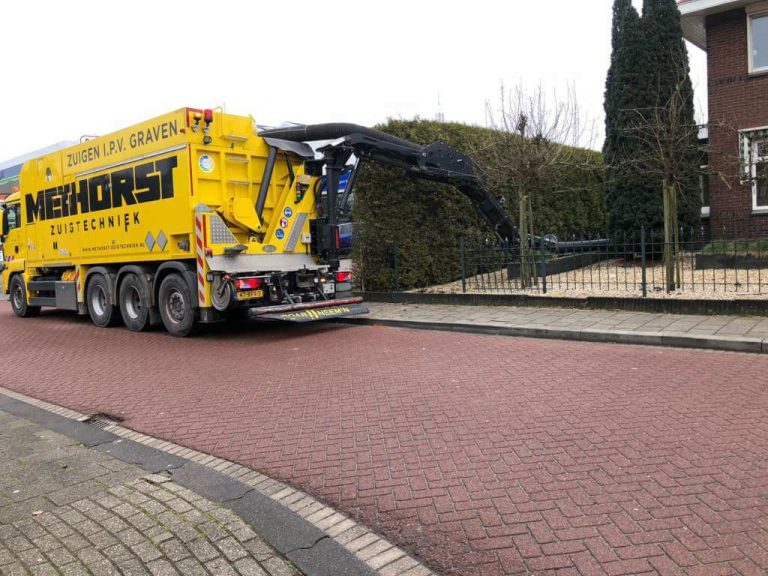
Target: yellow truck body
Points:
(192, 193)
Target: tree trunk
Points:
(669, 266)
(525, 280)
(534, 274)
(677, 254)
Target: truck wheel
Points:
(19, 299)
(175, 302)
(134, 303)
(98, 299)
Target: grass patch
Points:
(749, 248)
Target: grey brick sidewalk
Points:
(745, 334)
(69, 510)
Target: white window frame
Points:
(757, 159)
(750, 142)
(704, 177)
(754, 12)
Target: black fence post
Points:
(643, 262)
(396, 266)
(543, 267)
(463, 268)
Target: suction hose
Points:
(331, 131)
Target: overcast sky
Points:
(79, 67)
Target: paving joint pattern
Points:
(380, 555)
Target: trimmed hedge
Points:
(427, 220)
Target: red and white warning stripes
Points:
(199, 225)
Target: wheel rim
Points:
(174, 306)
(18, 297)
(133, 304)
(99, 300)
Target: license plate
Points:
(250, 294)
(329, 288)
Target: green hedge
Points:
(427, 220)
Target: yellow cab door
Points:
(13, 241)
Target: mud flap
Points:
(313, 315)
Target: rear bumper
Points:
(310, 311)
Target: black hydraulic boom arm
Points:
(437, 162)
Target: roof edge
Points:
(694, 12)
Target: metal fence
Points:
(705, 264)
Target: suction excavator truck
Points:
(197, 215)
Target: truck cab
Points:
(11, 235)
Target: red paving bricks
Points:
(482, 455)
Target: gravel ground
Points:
(614, 278)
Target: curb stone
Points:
(751, 307)
(319, 540)
(722, 343)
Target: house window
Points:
(760, 175)
(704, 190)
(758, 43)
(754, 158)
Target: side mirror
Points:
(4, 230)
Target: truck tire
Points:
(19, 303)
(134, 303)
(98, 299)
(175, 303)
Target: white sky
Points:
(74, 67)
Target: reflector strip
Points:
(200, 259)
(298, 226)
(304, 306)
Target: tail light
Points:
(344, 276)
(248, 283)
(208, 116)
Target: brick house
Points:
(734, 34)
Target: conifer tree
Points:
(669, 87)
(651, 148)
(628, 195)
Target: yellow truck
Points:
(195, 215)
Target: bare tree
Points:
(669, 151)
(532, 136)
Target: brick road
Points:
(482, 455)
